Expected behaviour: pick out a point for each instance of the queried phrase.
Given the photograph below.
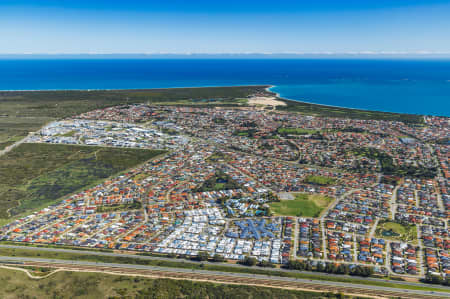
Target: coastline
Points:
(267, 88)
(366, 85)
(136, 89)
(278, 95)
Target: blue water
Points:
(410, 86)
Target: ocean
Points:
(407, 86)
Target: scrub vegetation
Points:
(330, 111)
(98, 285)
(35, 175)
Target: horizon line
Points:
(318, 53)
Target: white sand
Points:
(267, 101)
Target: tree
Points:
(446, 282)
(218, 258)
(307, 266)
(330, 268)
(266, 264)
(320, 267)
(436, 279)
(342, 269)
(202, 256)
(248, 261)
(356, 271)
(294, 265)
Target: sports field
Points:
(308, 205)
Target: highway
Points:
(225, 277)
(157, 258)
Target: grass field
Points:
(34, 175)
(15, 284)
(396, 231)
(319, 180)
(26, 111)
(307, 205)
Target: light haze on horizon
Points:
(51, 26)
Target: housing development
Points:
(234, 183)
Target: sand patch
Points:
(266, 101)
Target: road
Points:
(226, 277)
(373, 229)
(393, 203)
(12, 146)
(144, 257)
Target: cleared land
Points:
(307, 205)
(396, 231)
(95, 285)
(34, 175)
(266, 101)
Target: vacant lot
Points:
(308, 205)
(34, 175)
(396, 231)
(16, 284)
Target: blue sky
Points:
(337, 26)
